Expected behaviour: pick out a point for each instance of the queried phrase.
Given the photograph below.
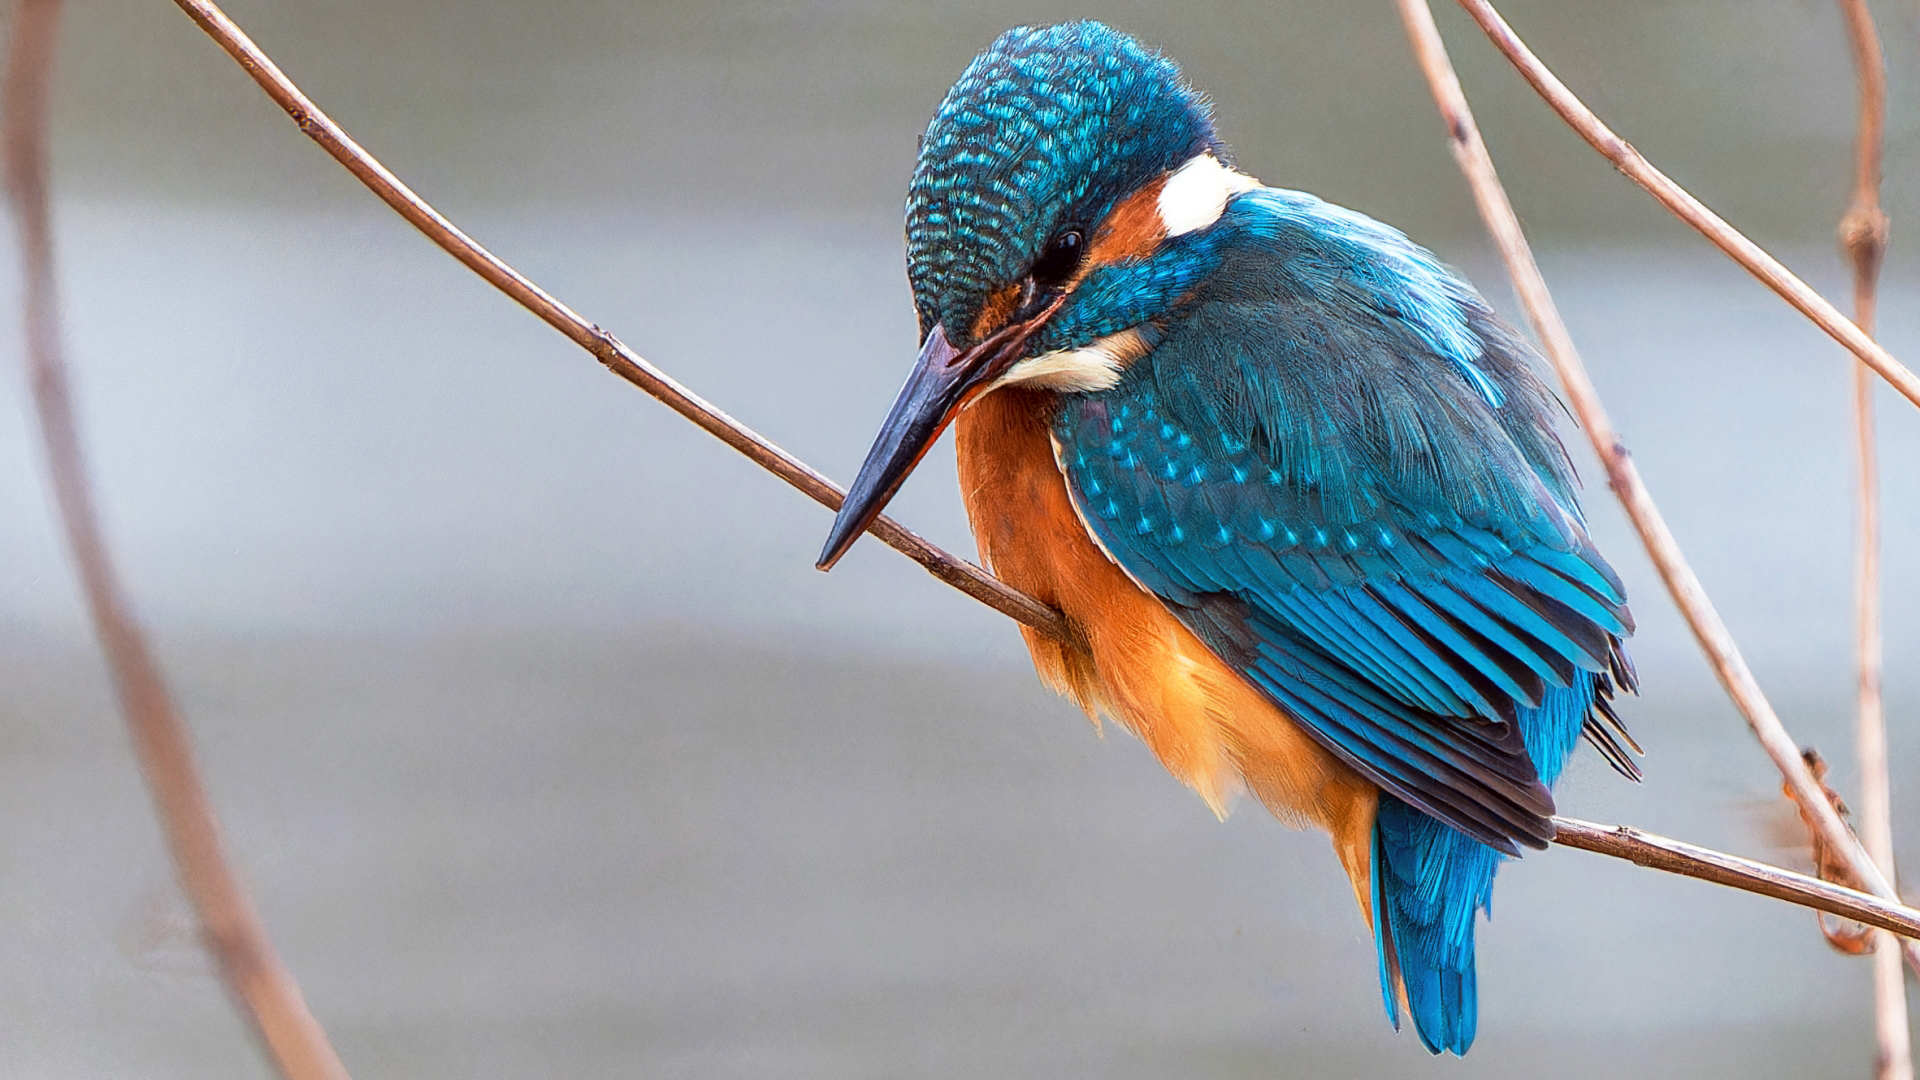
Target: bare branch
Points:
(1679, 857)
(1689, 209)
(1688, 594)
(232, 928)
(606, 348)
(1729, 870)
(1863, 237)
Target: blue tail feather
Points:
(1429, 881)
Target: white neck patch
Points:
(1196, 194)
(1092, 367)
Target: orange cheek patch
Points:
(998, 309)
(1132, 230)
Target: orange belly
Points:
(1142, 668)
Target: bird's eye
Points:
(1059, 259)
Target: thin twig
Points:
(1768, 269)
(1770, 272)
(1863, 237)
(1627, 843)
(1688, 594)
(1679, 857)
(609, 350)
(232, 928)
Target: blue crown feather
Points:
(1050, 125)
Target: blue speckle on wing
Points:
(1130, 472)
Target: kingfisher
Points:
(1293, 484)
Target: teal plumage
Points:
(1336, 467)
(1310, 469)
(1430, 880)
(1322, 452)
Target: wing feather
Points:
(1337, 506)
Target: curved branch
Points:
(1768, 269)
(1731, 871)
(232, 928)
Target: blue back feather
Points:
(1338, 469)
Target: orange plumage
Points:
(1141, 667)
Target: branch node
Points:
(1864, 233)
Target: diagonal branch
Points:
(1688, 594)
(1619, 841)
(232, 928)
(606, 348)
(1768, 269)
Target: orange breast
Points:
(1204, 722)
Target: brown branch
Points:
(1678, 857)
(606, 348)
(232, 928)
(1768, 269)
(1625, 843)
(1688, 594)
(1863, 237)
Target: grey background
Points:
(547, 751)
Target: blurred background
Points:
(548, 752)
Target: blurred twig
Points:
(232, 928)
(1845, 935)
(1689, 209)
(1863, 237)
(1688, 594)
(1618, 841)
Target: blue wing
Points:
(1336, 468)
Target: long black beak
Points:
(941, 382)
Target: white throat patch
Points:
(1196, 194)
(1092, 367)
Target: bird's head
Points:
(1057, 207)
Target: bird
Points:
(1293, 484)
